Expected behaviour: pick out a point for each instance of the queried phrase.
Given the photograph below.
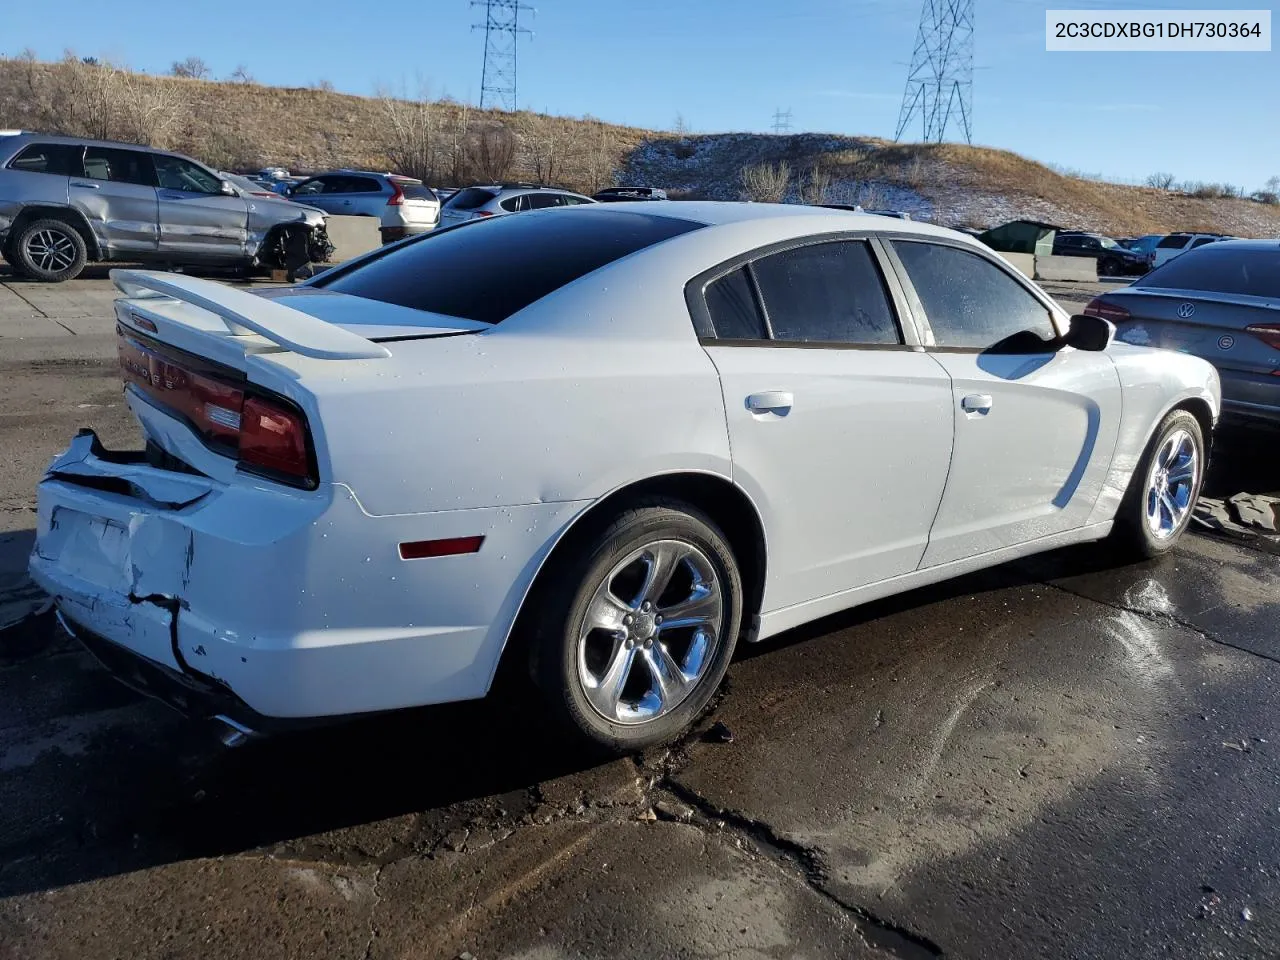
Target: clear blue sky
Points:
(839, 65)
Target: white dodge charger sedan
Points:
(605, 443)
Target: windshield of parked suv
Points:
(489, 271)
(1252, 272)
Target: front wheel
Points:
(639, 627)
(1162, 495)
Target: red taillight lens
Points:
(396, 198)
(1268, 333)
(274, 437)
(1105, 311)
(482, 213)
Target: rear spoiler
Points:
(244, 313)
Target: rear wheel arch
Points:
(725, 503)
(68, 215)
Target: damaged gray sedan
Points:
(66, 201)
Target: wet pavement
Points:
(1063, 757)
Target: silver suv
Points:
(480, 202)
(65, 201)
(404, 206)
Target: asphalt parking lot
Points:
(1057, 758)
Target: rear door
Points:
(358, 196)
(197, 219)
(1035, 422)
(117, 195)
(840, 428)
(324, 193)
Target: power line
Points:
(782, 120)
(940, 78)
(501, 31)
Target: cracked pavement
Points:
(1057, 758)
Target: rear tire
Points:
(1162, 494)
(50, 251)
(609, 667)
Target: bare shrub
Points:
(1161, 181)
(913, 173)
(241, 74)
(491, 151)
(192, 68)
(816, 186)
(409, 135)
(1268, 197)
(229, 148)
(148, 113)
(766, 182)
(872, 196)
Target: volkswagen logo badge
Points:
(1186, 310)
(1226, 343)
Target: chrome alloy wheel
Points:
(51, 250)
(650, 632)
(1171, 484)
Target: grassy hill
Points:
(234, 125)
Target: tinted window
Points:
(362, 185)
(174, 173)
(416, 191)
(1253, 273)
(540, 201)
(515, 204)
(572, 201)
(122, 166)
(1173, 242)
(1202, 241)
(969, 301)
(470, 198)
(59, 158)
(735, 315)
(452, 271)
(311, 187)
(826, 293)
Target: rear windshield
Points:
(415, 191)
(1252, 273)
(487, 271)
(470, 198)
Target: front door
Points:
(1035, 421)
(117, 195)
(840, 431)
(198, 220)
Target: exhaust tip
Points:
(232, 733)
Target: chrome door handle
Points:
(976, 404)
(771, 401)
(87, 186)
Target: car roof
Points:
(805, 217)
(1244, 244)
(29, 136)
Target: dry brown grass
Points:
(245, 125)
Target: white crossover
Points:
(602, 445)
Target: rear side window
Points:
(826, 293)
(451, 272)
(1250, 273)
(1173, 242)
(968, 300)
(541, 201)
(362, 185)
(470, 198)
(731, 302)
(1202, 241)
(58, 158)
(515, 204)
(120, 166)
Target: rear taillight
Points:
(266, 434)
(1268, 333)
(1098, 307)
(396, 198)
(273, 438)
(482, 213)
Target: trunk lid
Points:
(1188, 322)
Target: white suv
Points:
(479, 202)
(404, 206)
(1176, 243)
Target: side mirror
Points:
(1089, 333)
(227, 190)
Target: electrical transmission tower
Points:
(501, 31)
(782, 120)
(940, 79)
